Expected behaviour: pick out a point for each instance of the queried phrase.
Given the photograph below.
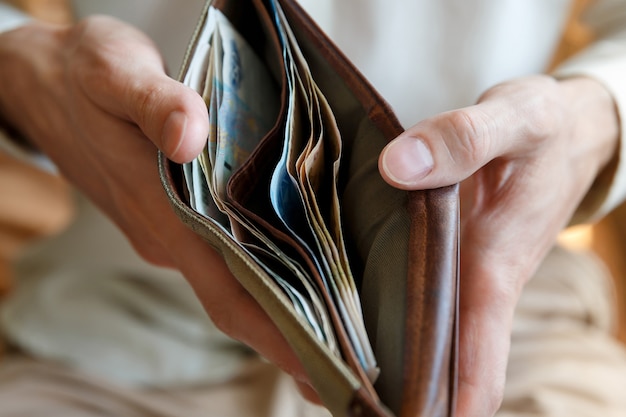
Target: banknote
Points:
(243, 101)
(310, 307)
(237, 123)
(249, 103)
(320, 317)
(315, 173)
(195, 78)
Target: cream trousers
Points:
(564, 362)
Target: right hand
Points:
(526, 154)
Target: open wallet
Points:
(361, 278)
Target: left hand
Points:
(95, 98)
(526, 154)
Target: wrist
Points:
(597, 131)
(595, 120)
(30, 65)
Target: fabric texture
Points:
(425, 58)
(604, 61)
(38, 388)
(85, 294)
(564, 362)
(564, 359)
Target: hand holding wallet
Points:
(361, 278)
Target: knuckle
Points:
(472, 131)
(541, 116)
(103, 52)
(146, 99)
(533, 106)
(91, 67)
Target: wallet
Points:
(402, 245)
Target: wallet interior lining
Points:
(377, 230)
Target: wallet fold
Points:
(403, 246)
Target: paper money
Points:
(249, 104)
(316, 169)
(242, 103)
(236, 89)
(308, 304)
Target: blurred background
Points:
(36, 204)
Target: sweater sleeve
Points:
(605, 61)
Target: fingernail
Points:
(407, 160)
(173, 133)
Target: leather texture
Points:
(403, 246)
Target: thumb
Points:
(447, 148)
(126, 78)
(171, 115)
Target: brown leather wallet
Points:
(403, 246)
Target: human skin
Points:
(526, 154)
(96, 99)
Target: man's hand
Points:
(526, 155)
(95, 98)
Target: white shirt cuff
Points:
(605, 62)
(11, 18)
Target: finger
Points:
(485, 343)
(492, 276)
(230, 306)
(442, 150)
(172, 115)
(308, 393)
(450, 147)
(127, 78)
(487, 301)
